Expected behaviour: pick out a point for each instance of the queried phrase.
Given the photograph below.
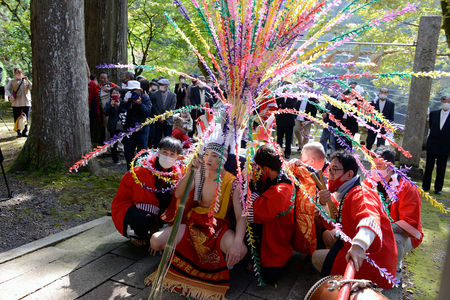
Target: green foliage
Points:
(15, 36)
(402, 30)
(153, 41)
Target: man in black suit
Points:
(285, 123)
(163, 100)
(438, 146)
(180, 90)
(387, 108)
(302, 126)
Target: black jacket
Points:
(438, 141)
(113, 113)
(336, 112)
(159, 107)
(286, 120)
(137, 113)
(181, 94)
(388, 110)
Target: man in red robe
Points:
(363, 220)
(271, 211)
(137, 206)
(404, 208)
(312, 159)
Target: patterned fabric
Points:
(148, 208)
(198, 269)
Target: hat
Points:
(139, 77)
(134, 85)
(194, 75)
(202, 78)
(164, 81)
(154, 82)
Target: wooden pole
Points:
(419, 93)
(350, 271)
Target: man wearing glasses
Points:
(363, 220)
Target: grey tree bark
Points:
(59, 133)
(106, 24)
(420, 89)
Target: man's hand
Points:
(357, 254)
(11, 99)
(236, 253)
(324, 115)
(138, 101)
(196, 163)
(324, 196)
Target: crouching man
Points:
(363, 219)
(271, 212)
(139, 207)
(404, 207)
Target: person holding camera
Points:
(18, 91)
(113, 110)
(138, 108)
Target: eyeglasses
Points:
(334, 170)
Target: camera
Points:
(135, 96)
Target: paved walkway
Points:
(93, 261)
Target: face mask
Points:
(18, 76)
(445, 106)
(163, 89)
(182, 81)
(154, 87)
(382, 97)
(166, 161)
(333, 185)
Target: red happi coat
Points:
(407, 207)
(362, 208)
(305, 240)
(130, 193)
(277, 231)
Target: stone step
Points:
(83, 280)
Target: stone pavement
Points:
(93, 261)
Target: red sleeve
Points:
(365, 210)
(410, 206)
(122, 201)
(272, 202)
(112, 84)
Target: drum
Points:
(321, 291)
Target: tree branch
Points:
(16, 15)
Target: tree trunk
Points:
(445, 4)
(106, 34)
(59, 133)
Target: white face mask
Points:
(382, 97)
(166, 161)
(446, 106)
(154, 87)
(182, 80)
(163, 89)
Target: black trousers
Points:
(371, 136)
(17, 111)
(140, 221)
(441, 162)
(288, 132)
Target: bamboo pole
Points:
(166, 258)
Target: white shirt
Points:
(444, 116)
(202, 97)
(382, 103)
(302, 108)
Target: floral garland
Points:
(143, 185)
